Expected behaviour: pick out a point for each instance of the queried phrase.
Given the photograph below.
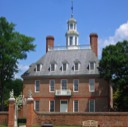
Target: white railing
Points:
(69, 47)
(63, 92)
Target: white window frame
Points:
(90, 105)
(75, 86)
(36, 86)
(50, 105)
(50, 85)
(91, 90)
(65, 66)
(35, 105)
(74, 106)
(75, 66)
(38, 67)
(66, 84)
(51, 67)
(92, 69)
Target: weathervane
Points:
(72, 8)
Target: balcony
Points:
(63, 92)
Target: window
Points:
(52, 106)
(75, 106)
(36, 105)
(91, 105)
(37, 86)
(52, 67)
(38, 67)
(75, 85)
(91, 85)
(71, 26)
(71, 40)
(75, 40)
(64, 84)
(92, 66)
(51, 85)
(64, 67)
(76, 66)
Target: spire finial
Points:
(72, 9)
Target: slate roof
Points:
(84, 56)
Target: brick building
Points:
(66, 79)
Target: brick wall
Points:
(101, 94)
(3, 117)
(106, 119)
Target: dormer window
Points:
(76, 66)
(92, 66)
(52, 67)
(38, 67)
(64, 66)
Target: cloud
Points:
(121, 33)
(22, 69)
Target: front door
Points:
(63, 106)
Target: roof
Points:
(84, 56)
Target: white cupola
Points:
(72, 34)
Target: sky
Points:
(40, 18)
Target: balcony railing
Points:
(69, 47)
(63, 92)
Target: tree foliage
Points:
(13, 47)
(16, 85)
(113, 67)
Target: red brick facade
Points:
(3, 118)
(49, 42)
(94, 43)
(11, 112)
(30, 112)
(101, 94)
(104, 119)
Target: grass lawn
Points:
(3, 125)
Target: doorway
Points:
(63, 106)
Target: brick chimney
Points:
(94, 43)
(49, 42)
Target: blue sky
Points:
(39, 18)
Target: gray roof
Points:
(84, 56)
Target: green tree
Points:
(113, 67)
(13, 47)
(16, 85)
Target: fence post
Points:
(11, 112)
(30, 111)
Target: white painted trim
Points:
(74, 87)
(50, 103)
(89, 86)
(61, 83)
(64, 100)
(35, 86)
(66, 67)
(54, 67)
(35, 104)
(74, 106)
(50, 86)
